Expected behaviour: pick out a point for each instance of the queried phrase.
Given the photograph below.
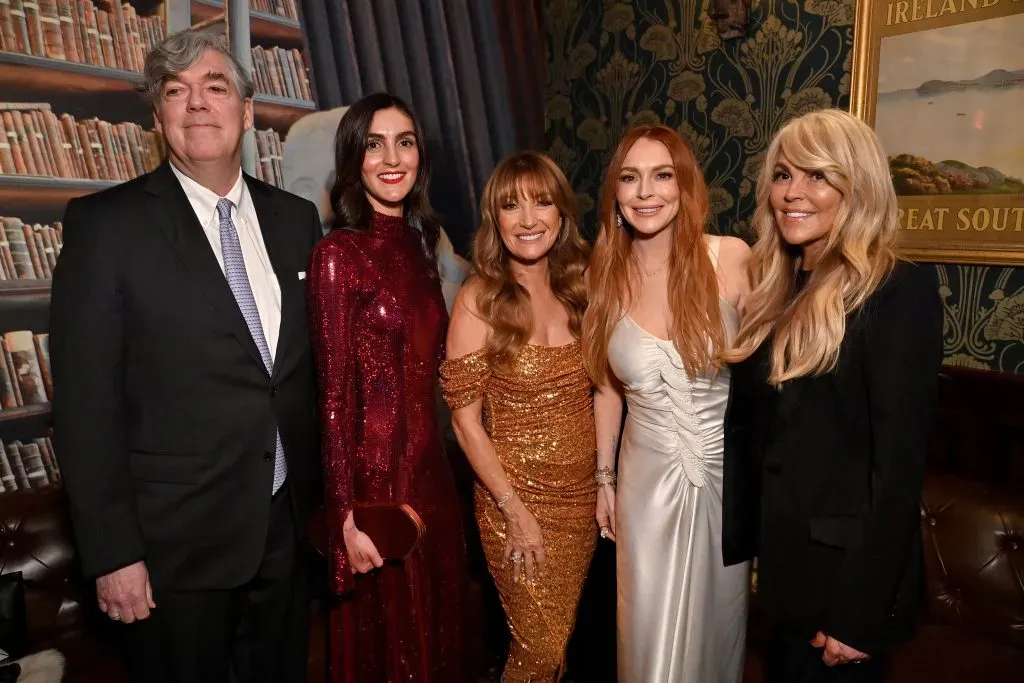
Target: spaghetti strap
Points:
(714, 242)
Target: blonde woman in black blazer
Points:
(834, 393)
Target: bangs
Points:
(803, 143)
(525, 182)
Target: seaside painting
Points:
(950, 114)
(942, 83)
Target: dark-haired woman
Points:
(377, 320)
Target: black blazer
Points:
(823, 479)
(164, 414)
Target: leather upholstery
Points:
(35, 539)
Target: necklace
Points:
(652, 273)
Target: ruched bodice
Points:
(689, 412)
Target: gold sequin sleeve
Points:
(463, 379)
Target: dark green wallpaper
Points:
(615, 63)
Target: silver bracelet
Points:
(504, 499)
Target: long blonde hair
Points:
(696, 327)
(502, 302)
(807, 327)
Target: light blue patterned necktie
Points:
(238, 281)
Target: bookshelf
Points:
(274, 49)
(59, 69)
(65, 81)
(29, 72)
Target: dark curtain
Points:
(472, 70)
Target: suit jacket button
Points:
(268, 456)
(273, 391)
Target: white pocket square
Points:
(302, 275)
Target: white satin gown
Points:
(681, 612)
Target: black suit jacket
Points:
(164, 414)
(823, 479)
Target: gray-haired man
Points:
(184, 408)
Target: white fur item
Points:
(41, 667)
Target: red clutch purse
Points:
(395, 528)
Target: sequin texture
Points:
(378, 321)
(539, 415)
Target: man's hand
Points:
(836, 652)
(126, 595)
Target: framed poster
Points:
(942, 83)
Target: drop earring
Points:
(618, 219)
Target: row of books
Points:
(280, 71)
(115, 37)
(282, 8)
(30, 465)
(268, 157)
(25, 378)
(41, 143)
(29, 252)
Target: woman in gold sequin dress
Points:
(522, 407)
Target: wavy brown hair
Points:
(806, 328)
(502, 302)
(696, 327)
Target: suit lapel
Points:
(180, 226)
(275, 239)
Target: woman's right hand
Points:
(361, 552)
(524, 545)
(605, 513)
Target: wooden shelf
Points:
(28, 192)
(25, 422)
(13, 288)
(279, 113)
(41, 496)
(262, 26)
(43, 74)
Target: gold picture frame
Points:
(951, 76)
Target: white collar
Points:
(203, 200)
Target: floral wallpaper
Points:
(615, 63)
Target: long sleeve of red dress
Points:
(330, 310)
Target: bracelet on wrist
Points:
(504, 500)
(605, 476)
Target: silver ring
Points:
(604, 532)
(516, 556)
(115, 616)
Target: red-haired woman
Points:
(664, 303)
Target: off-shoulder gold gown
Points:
(540, 417)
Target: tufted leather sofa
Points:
(35, 539)
(974, 559)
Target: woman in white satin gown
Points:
(665, 302)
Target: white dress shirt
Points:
(265, 287)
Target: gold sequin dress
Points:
(540, 418)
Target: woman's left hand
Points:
(605, 513)
(836, 652)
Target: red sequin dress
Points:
(377, 320)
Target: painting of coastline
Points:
(949, 114)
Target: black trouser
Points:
(256, 633)
(791, 659)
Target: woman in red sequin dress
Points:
(377, 320)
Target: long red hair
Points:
(696, 327)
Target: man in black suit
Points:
(185, 409)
